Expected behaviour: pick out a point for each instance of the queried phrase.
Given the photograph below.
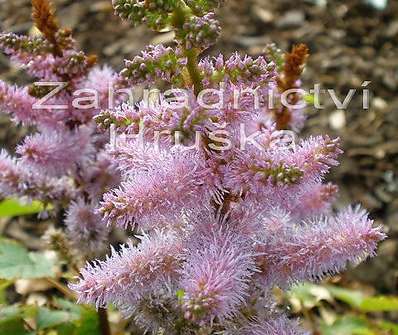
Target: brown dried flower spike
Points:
(294, 64)
(293, 67)
(43, 15)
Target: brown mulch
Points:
(350, 43)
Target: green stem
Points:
(179, 17)
(193, 70)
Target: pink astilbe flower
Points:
(224, 220)
(84, 227)
(200, 32)
(178, 182)
(278, 325)
(16, 179)
(10, 174)
(19, 104)
(215, 278)
(56, 152)
(310, 251)
(313, 199)
(99, 175)
(132, 272)
(254, 170)
(317, 155)
(106, 83)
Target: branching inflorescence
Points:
(64, 162)
(225, 207)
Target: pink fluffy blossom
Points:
(216, 278)
(56, 152)
(132, 272)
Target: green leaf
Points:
(347, 325)
(69, 306)
(358, 300)
(89, 323)
(66, 329)
(12, 207)
(47, 318)
(85, 319)
(180, 294)
(16, 262)
(379, 304)
(11, 320)
(4, 284)
(14, 326)
(350, 297)
(9, 312)
(392, 327)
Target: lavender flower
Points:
(156, 13)
(222, 223)
(17, 102)
(312, 250)
(238, 69)
(179, 181)
(17, 179)
(278, 325)
(56, 152)
(215, 279)
(84, 227)
(133, 272)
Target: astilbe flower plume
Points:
(278, 325)
(222, 207)
(84, 227)
(58, 161)
(133, 272)
(216, 278)
(223, 219)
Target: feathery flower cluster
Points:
(224, 207)
(64, 160)
(83, 228)
(224, 220)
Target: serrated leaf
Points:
(17, 263)
(12, 207)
